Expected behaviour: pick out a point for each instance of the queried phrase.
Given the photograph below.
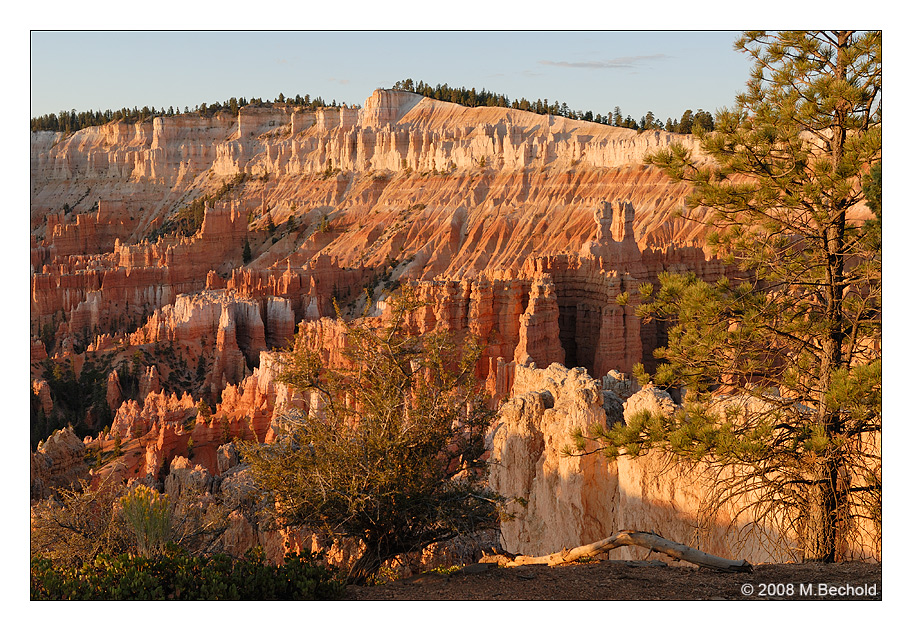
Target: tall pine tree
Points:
(793, 338)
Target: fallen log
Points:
(648, 540)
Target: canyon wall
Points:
(533, 232)
(570, 500)
(307, 208)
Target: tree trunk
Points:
(367, 565)
(825, 499)
(644, 540)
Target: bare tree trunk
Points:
(644, 540)
(367, 565)
(824, 503)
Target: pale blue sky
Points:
(666, 71)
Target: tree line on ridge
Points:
(470, 97)
(71, 121)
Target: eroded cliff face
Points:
(543, 221)
(519, 228)
(421, 172)
(563, 501)
(566, 501)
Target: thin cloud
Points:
(617, 62)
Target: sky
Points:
(665, 72)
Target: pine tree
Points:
(704, 120)
(686, 124)
(795, 332)
(649, 121)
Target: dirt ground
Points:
(635, 580)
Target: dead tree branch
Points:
(644, 540)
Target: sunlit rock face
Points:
(531, 232)
(562, 501)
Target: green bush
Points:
(148, 515)
(178, 576)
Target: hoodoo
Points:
(172, 260)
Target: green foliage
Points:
(149, 517)
(246, 255)
(329, 171)
(72, 121)
(174, 575)
(446, 571)
(74, 526)
(792, 336)
(391, 455)
(471, 97)
(204, 410)
(189, 219)
(47, 334)
(75, 399)
(40, 427)
(872, 194)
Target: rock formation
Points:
(532, 232)
(562, 500)
(394, 189)
(565, 501)
(58, 462)
(42, 390)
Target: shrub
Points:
(77, 525)
(148, 515)
(175, 575)
(392, 457)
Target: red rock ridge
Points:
(520, 228)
